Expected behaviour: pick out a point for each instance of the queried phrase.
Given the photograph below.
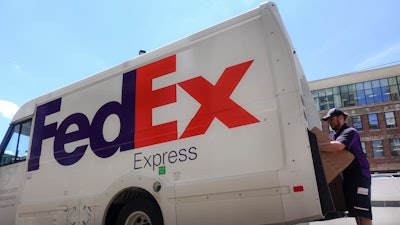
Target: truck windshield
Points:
(14, 146)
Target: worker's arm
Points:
(332, 146)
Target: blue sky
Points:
(47, 44)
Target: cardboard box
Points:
(333, 162)
(336, 189)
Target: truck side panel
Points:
(217, 119)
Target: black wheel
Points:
(140, 212)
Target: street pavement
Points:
(381, 216)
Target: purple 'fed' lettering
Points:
(134, 112)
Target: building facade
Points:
(372, 99)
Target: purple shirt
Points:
(351, 139)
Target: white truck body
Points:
(212, 129)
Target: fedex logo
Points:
(134, 111)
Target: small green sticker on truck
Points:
(161, 170)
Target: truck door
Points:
(13, 152)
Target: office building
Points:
(372, 100)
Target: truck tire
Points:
(140, 212)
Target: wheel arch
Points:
(137, 186)
(124, 197)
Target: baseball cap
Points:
(333, 112)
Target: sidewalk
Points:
(381, 216)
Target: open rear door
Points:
(325, 196)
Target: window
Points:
(363, 148)
(345, 99)
(14, 147)
(394, 93)
(363, 93)
(361, 97)
(337, 101)
(390, 120)
(330, 101)
(369, 96)
(348, 95)
(392, 81)
(367, 85)
(377, 148)
(314, 93)
(352, 99)
(377, 95)
(373, 121)
(384, 89)
(352, 87)
(395, 146)
(323, 103)
(383, 82)
(357, 123)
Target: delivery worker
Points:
(357, 176)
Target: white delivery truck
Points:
(211, 129)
